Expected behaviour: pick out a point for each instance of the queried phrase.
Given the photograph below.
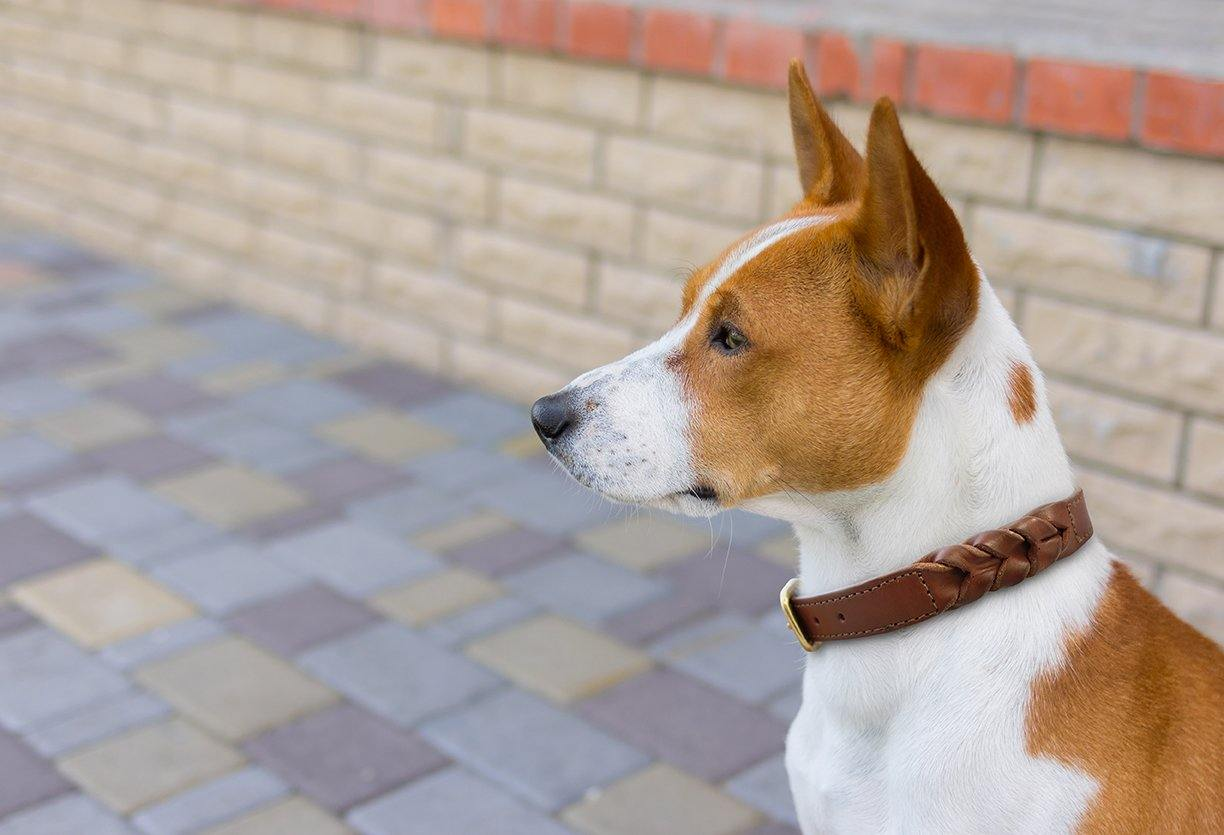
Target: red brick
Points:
(761, 54)
(527, 22)
(286, 4)
(1184, 114)
(395, 14)
(458, 18)
(836, 65)
(967, 83)
(888, 58)
(1079, 98)
(676, 40)
(599, 30)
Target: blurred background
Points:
(278, 551)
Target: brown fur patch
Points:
(1137, 706)
(1021, 394)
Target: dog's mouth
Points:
(701, 491)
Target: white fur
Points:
(921, 730)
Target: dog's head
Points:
(801, 352)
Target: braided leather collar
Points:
(944, 579)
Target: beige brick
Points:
(1126, 269)
(96, 142)
(563, 214)
(229, 231)
(28, 35)
(276, 89)
(650, 300)
(510, 262)
(1164, 526)
(450, 304)
(357, 106)
(128, 14)
(565, 340)
(586, 91)
(726, 117)
(1217, 314)
(123, 102)
(136, 199)
(1199, 602)
(375, 330)
(432, 66)
(176, 68)
(675, 242)
(1205, 458)
(392, 231)
(294, 198)
(107, 232)
(47, 169)
(310, 309)
(1179, 195)
(962, 159)
(784, 188)
(1164, 361)
(309, 43)
(206, 25)
(42, 81)
(32, 205)
(495, 370)
(447, 185)
(1121, 433)
(544, 145)
(304, 150)
(181, 167)
(193, 266)
(94, 49)
(308, 258)
(218, 126)
(710, 183)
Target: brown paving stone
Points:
(229, 495)
(100, 602)
(233, 688)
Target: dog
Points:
(847, 368)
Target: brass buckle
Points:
(788, 591)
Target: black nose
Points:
(551, 415)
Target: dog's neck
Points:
(971, 465)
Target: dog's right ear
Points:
(830, 170)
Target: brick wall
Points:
(511, 217)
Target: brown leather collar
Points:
(944, 579)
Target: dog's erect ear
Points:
(917, 281)
(830, 170)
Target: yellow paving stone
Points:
(436, 596)
(233, 688)
(660, 800)
(239, 378)
(100, 602)
(229, 495)
(782, 549)
(147, 765)
(526, 445)
(94, 425)
(104, 373)
(645, 543)
(160, 300)
(459, 532)
(385, 435)
(331, 366)
(558, 659)
(295, 816)
(156, 343)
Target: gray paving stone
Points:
(584, 587)
(351, 558)
(546, 501)
(149, 457)
(397, 673)
(729, 580)
(160, 643)
(222, 579)
(476, 418)
(344, 755)
(346, 479)
(32, 397)
(15, 619)
(42, 675)
(67, 814)
(231, 433)
(300, 619)
(24, 455)
(544, 755)
(507, 551)
(101, 510)
(463, 467)
(71, 472)
(249, 335)
(98, 318)
(477, 621)
(736, 655)
(159, 396)
(786, 706)
(95, 722)
(393, 384)
(408, 509)
(28, 778)
(686, 723)
(30, 546)
(293, 522)
(450, 802)
(55, 350)
(301, 403)
(213, 802)
(183, 536)
(766, 786)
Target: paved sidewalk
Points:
(252, 581)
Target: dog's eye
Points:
(728, 339)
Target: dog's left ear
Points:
(917, 281)
(830, 170)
